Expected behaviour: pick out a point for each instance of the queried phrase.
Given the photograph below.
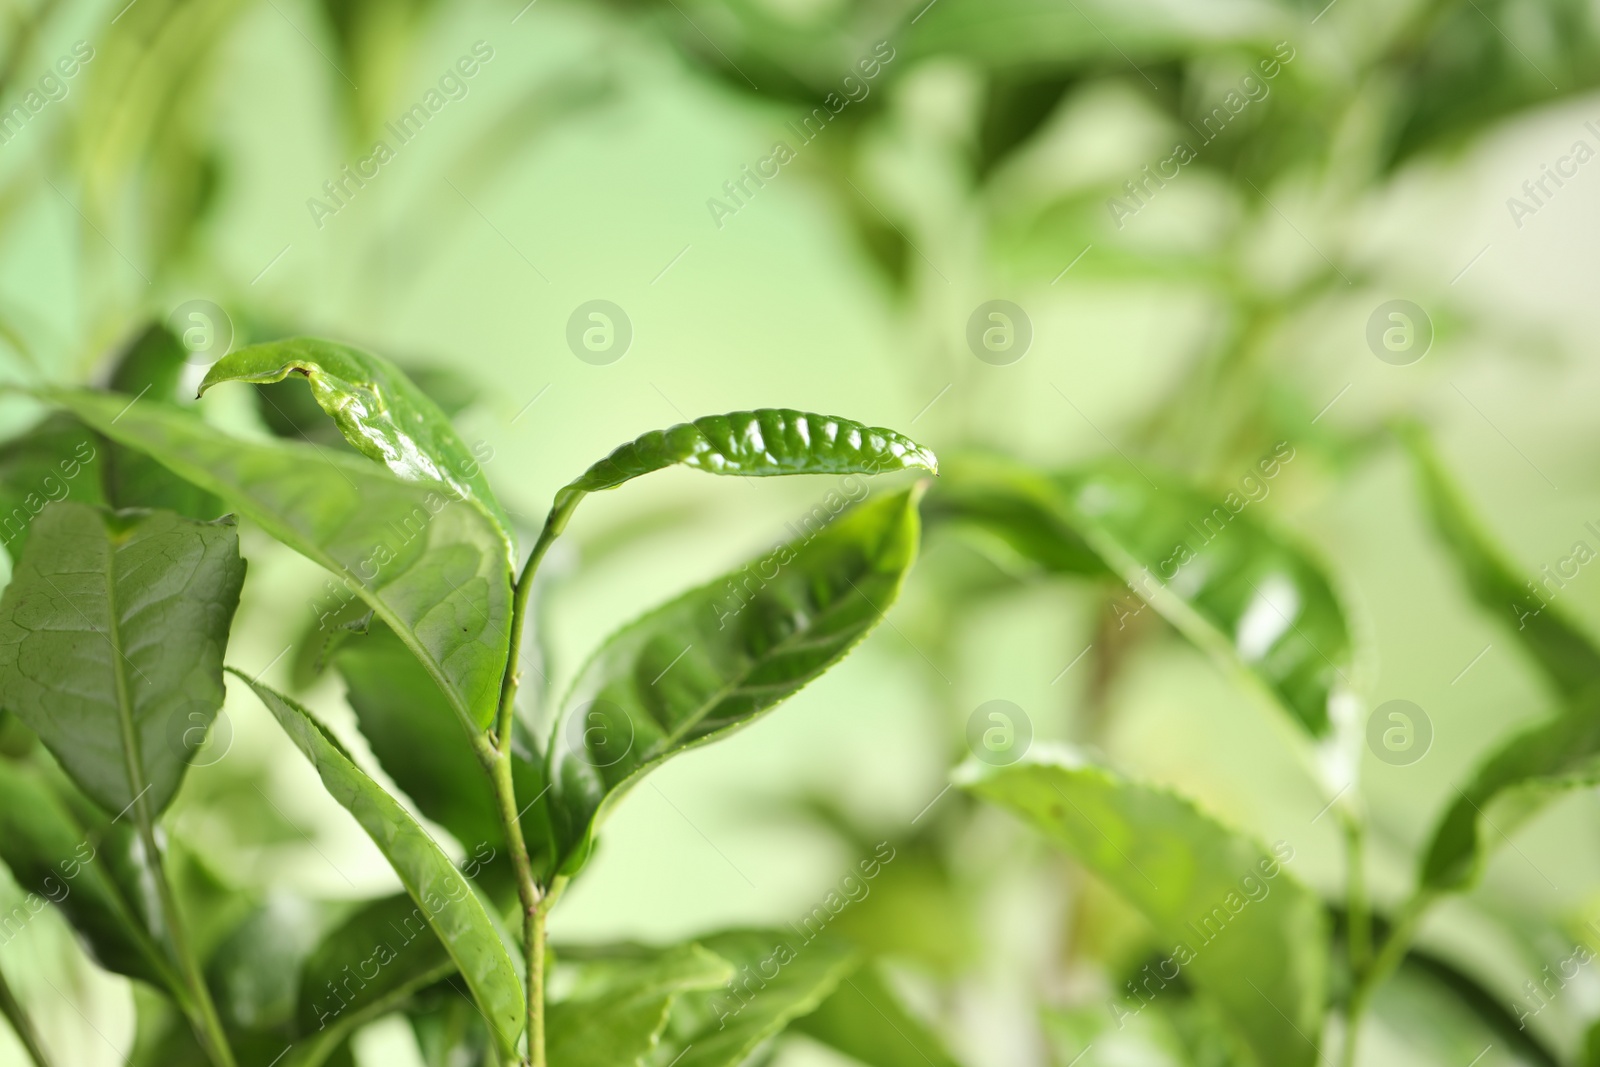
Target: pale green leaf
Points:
(1229, 919)
(618, 1008)
(867, 1022)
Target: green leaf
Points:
(255, 970)
(712, 661)
(408, 723)
(55, 460)
(1519, 778)
(112, 633)
(380, 411)
(433, 568)
(1247, 935)
(1559, 646)
(62, 848)
(444, 897)
(866, 1021)
(448, 1028)
(753, 444)
(365, 968)
(781, 976)
(1226, 579)
(151, 370)
(618, 1009)
(21, 1024)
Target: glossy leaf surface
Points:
(1566, 654)
(112, 634)
(712, 661)
(753, 444)
(866, 1021)
(434, 569)
(61, 848)
(1230, 583)
(781, 976)
(380, 411)
(443, 896)
(619, 1008)
(1231, 920)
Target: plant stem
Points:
(495, 752)
(12, 1009)
(206, 1020)
(1388, 958)
(1359, 934)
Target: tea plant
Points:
(113, 634)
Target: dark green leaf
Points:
(378, 409)
(56, 459)
(448, 1028)
(781, 976)
(866, 1021)
(365, 968)
(444, 897)
(255, 971)
(152, 366)
(1231, 922)
(714, 659)
(112, 633)
(618, 1009)
(1559, 646)
(1227, 580)
(433, 568)
(63, 849)
(420, 745)
(1520, 777)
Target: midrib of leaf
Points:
(119, 674)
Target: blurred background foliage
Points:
(1190, 335)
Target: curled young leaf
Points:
(432, 567)
(380, 411)
(753, 444)
(112, 634)
(716, 658)
(1240, 929)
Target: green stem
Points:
(1383, 965)
(554, 523)
(207, 1022)
(1359, 935)
(12, 1009)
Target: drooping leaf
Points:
(420, 745)
(780, 976)
(112, 633)
(61, 848)
(752, 444)
(1560, 647)
(433, 568)
(712, 661)
(616, 1013)
(1240, 929)
(866, 1021)
(366, 967)
(444, 897)
(380, 411)
(1516, 780)
(56, 460)
(1226, 580)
